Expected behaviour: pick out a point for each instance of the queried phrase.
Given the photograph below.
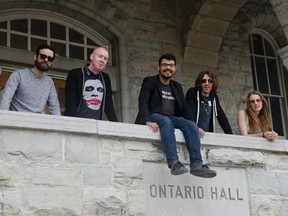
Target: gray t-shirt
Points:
(25, 92)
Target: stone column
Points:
(283, 52)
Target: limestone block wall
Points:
(55, 165)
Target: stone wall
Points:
(53, 165)
(141, 31)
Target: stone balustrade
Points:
(56, 165)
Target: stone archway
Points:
(205, 36)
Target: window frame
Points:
(67, 22)
(256, 81)
(63, 64)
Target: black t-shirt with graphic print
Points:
(92, 96)
(168, 101)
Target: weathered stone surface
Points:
(23, 146)
(81, 149)
(238, 157)
(101, 172)
(97, 176)
(51, 198)
(104, 201)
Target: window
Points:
(26, 30)
(28, 34)
(267, 76)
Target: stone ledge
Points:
(18, 120)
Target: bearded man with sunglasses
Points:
(30, 90)
(204, 103)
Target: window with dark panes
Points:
(18, 42)
(28, 34)
(60, 48)
(39, 27)
(89, 51)
(90, 42)
(75, 36)
(67, 39)
(273, 77)
(266, 77)
(76, 52)
(3, 40)
(20, 25)
(275, 107)
(36, 42)
(57, 31)
(3, 25)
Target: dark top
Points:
(205, 114)
(193, 101)
(74, 94)
(150, 100)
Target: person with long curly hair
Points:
(255, 119)
(203, 102)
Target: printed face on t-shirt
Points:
(93, 94)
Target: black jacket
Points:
(150, 99)
(74, 94)
(193, 102)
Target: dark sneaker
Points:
(203, 171)
(178, 168)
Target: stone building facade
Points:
(204, 35)
(55, 165)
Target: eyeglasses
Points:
(205, 80)
(167, 65)
(255, 101)
(43, 57)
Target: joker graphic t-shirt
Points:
(93, 90)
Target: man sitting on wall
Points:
(162, 106)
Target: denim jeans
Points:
(190, 132)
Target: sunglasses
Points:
(255, 101)
(205, 80)
(43, 57)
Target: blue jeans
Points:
(190, 132)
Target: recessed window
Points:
(18, 41)
(69, 39)
(57, 31)
(3, 37)
(39, 28)
(75, 36)
(3, 25)
(19, 25)
(28, 34)
(266, 76)
(76, 52)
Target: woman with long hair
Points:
(255, 120)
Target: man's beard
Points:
(165, 77)
(40, 67)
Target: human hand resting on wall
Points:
(270, 135)
(201, 132)
(153, 126)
